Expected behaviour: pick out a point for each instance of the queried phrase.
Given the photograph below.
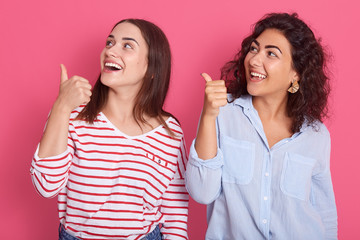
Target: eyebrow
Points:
(125, 39)
(268, 46)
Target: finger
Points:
(87, 93)
(216, 96)
(220, 95)
(206, 77)
(80, 79)
(215, 88)
(64, 75)
(216, 83)
(86, 97)
(86, 100)
(84, 84)
(221, 102)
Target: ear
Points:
(294, 76)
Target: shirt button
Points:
(264, 221)
(265, 198)
(267, 174)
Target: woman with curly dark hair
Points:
(261, 158)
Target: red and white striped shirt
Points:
(113, 186)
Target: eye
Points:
(271, 54)
(109, 43)
(127, 45)
(253, 49)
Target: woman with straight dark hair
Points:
(113, 156)
(261, 157)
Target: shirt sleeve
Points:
(323, 199)
(175, 201)
(203, 177)
(50, 174)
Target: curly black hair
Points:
(309, 60)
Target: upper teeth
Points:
(257, 75)
(113, 65)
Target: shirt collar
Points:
(245, 101)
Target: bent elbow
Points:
(202, 192)
(45, 189)
(202, 199)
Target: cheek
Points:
(143, 63)
(246, 61)
(247, 66)
(276, 68)
(102, 57)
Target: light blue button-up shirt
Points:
(254, 192)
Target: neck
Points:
(120, 105)
(270, 108)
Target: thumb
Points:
(64, 75)
(206, 77)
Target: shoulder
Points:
(316, 136)
(316, 129)
(76, 112)
(174, 125)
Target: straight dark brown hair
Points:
(151, 96)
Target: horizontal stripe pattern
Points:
(111, 186)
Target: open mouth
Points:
(112, 66)
(257, 76)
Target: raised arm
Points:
(72, 93)
(204, 170)
(52, 160)
(215, 97)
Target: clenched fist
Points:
(215, 96)
(73, 91)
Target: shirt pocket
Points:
(296, 176)
(239, 157)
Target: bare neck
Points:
(119, 110)
(120, 105)
(276, 123)
(270, 108)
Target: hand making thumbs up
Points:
(215, 96)
(73, 92)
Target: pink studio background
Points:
(36, 36)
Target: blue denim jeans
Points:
(64, 235)
(154, 235)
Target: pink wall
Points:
(36, 36)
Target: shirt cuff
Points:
(56, 157)
(213, 163)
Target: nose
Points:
(256, 60)
(111, 52)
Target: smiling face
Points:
(124, 59)
(268, 65)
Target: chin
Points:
(106, 80)
(254, 92)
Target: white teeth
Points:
(113, 65)
(258, 75)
